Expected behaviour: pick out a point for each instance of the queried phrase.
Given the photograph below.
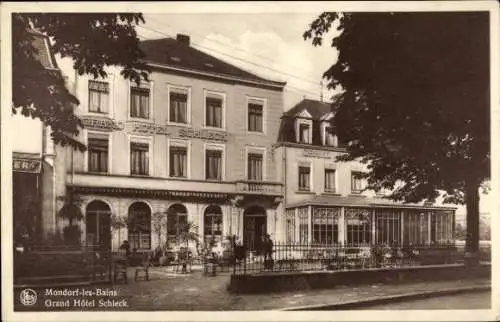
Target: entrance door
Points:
(254, 228)
(98, 224)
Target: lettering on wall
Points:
(316, 154)
(203, 134)
(102, 124)
(149, 128)
(26, 165)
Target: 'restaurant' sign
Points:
(102, 124)
(203, 134)
(26, 165)
(316, 154)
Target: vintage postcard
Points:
(291, 160)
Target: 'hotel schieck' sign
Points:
(316, 154)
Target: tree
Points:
(117, 223)
(414, 102)
(93, 41)
(187, 231)
(71, 211)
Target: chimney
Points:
(183, 39)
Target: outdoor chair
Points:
(183, 261)
(144, 268)
(100, 266)
(120, 265)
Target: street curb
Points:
(388, 299)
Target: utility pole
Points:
(321, 90)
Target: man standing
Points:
(268, 252)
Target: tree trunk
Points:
(472, 241)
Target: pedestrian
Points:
(268, 252)
(125, 247)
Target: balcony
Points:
(259, 187)
(150, 183)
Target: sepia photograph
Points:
(300, 159)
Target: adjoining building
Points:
(33, 176)
(194, 144)
(324, 199)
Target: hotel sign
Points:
(149, 128)
(203, 134)
(316, 154)
(102, 124)
(26, 165)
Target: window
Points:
(388, 226)
(139, 102)
(213, 165)
(255, 166)
(357, 183)
(97, 155)
(178, 161)
(304, 136)
(178, 106)
(329, 180)
(255, 120)
(330, 138)
(139, 226)
(304, 178)
(98, 97)
(213, 113)
(213, 223)
(415, 227)
(176, 219)
(325, 228)
(358, 224)
(303, 225)
(139, 158)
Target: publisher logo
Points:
(27, 297)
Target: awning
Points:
(361, 201)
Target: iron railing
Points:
(303, 257)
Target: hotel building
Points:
(324, 199)
(194, 144)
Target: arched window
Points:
(176, 216)
(212, 223)
(98, 224)
(139, 226)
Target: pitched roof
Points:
(360, 201)
(316, 108)
(178, 53)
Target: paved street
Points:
(469, 301)
(169, 291)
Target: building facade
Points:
(325, 201)
(192, 145)
(33, 165)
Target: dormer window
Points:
(304, 131)
(328, 135)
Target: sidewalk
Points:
(195, 292)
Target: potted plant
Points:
(117, 223)
(187, 232)
(72, 212)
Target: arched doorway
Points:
(176, 216)
(139, 226)
(212, 223)
(98, 224)
(254, 227)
